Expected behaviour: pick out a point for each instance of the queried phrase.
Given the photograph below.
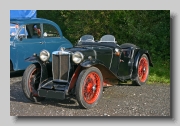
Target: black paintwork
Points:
(123, 67)
(104, 54)
(45, 67)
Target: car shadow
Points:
(16, 73)
(126, 84)
(17, 95)
(69, 102)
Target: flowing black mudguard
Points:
(136, 60)
(44, 66)
(89, 63)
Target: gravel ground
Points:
(119, 100)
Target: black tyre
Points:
(11, 66)
(30, 82)
(142, 71)
(89, 87)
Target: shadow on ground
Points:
(17, 95)
(16, 73)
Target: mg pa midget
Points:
(84, 70)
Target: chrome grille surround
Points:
(61, 66)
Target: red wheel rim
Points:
(34, 80)
(91, 87)
(143, 69)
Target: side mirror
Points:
(20, 38)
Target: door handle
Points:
(41, 42)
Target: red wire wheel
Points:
(142, 71)
(30, 82)
(89, 87)
(34, 80)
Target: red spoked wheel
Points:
(89, 87)
(30, 82)
(34, 81)
(143, 71)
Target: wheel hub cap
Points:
(94, 87)
(144, 69)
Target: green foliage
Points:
(148, 29)
(160, 73)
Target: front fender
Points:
(136, 60)
(89, 63)
(44, 70)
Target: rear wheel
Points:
(30, 82)
(89, 87)
(143, 71)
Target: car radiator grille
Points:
(60, 67)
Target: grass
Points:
(159, 73)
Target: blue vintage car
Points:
(32, 35)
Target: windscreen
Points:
(14, 29)
(108, 38)
(87, 38)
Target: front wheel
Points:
(142, 71)
(89, 87)
(30, 82)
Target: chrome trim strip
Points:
(60, 52)
(108, 41)
(69, 68)
(132, 53)
(59, 60)
(59, 64)
(52, 66)
(111, 59)
(95, 54)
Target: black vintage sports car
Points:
(84, 70)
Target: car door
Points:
(28, 44)
(104, 55)
(124, 69)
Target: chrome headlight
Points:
(44, 55)
(77, 57)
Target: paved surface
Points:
(120, 100)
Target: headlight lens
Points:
(44, 55)
(77, 57)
